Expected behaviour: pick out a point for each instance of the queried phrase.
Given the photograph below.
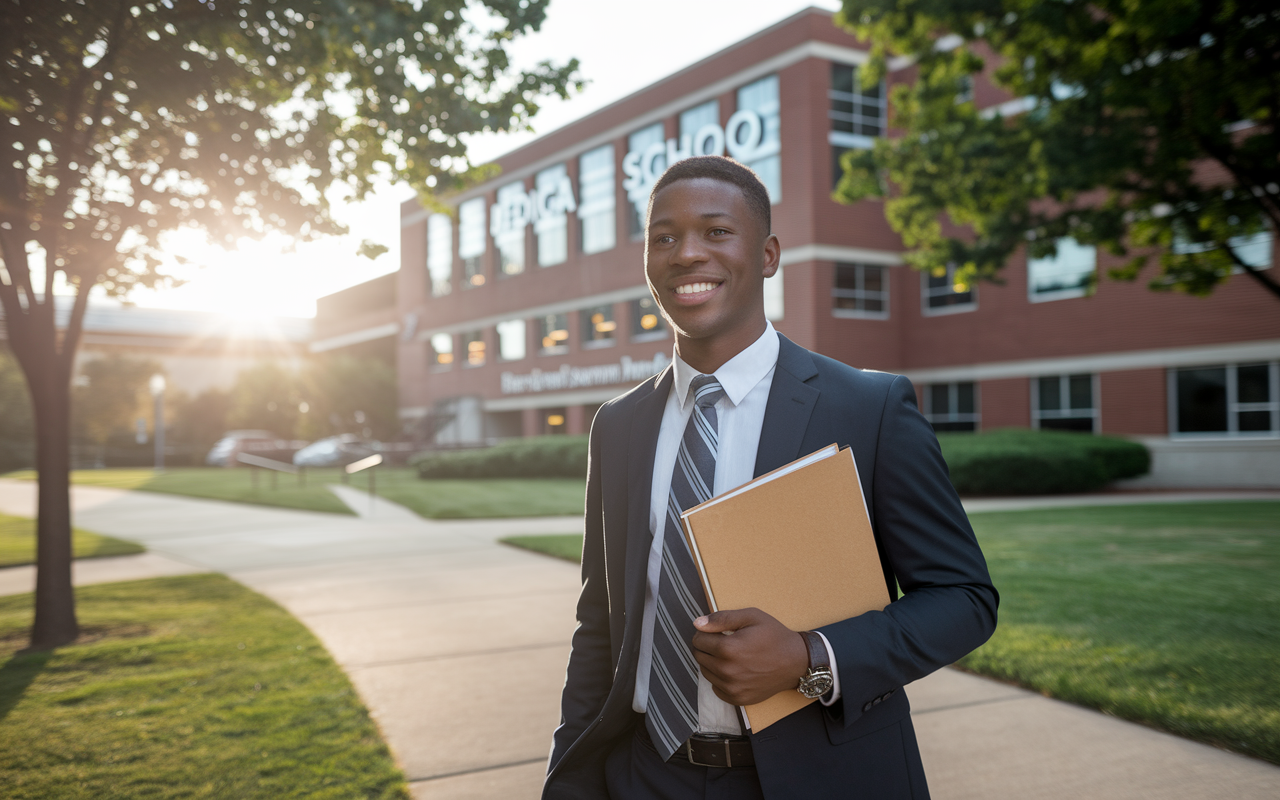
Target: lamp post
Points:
(157, 392)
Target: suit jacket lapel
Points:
(640, 453)
(791, 401)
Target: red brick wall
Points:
(1005, 403)
(1134, 402)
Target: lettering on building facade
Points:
(627, 370)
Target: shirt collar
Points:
(740, 374)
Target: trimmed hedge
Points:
(1010, 461)
(1014, 461)
(534, 457)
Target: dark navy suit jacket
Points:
(864, 745)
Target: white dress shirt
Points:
(746, 379)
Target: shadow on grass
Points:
(17, 674)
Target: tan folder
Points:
(795, 543)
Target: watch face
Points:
(816, 684)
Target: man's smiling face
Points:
(706, 258)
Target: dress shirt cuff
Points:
(832, 696)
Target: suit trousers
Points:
(634, 771)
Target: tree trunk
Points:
(55, 619)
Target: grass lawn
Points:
(18, 543)
(183, 687)
(1162, 614)
(559, 545)
(435, 499)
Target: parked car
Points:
(335, 451)
(224, 452)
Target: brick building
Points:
(526, 308)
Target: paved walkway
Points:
(438, 626)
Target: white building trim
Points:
(561, 307)
(833, 252)
(355, 337)
(1102, 362)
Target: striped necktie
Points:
(673, 679)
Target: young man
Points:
(648, 709)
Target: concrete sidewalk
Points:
(444, 633)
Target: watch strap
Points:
(818, 658)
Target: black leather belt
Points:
(710, 750)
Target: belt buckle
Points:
(728, 756)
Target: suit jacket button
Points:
(866, 706)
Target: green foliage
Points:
(16, 422)
(183, 687)
(1152, 123)
(198, 421)
(110, 394)
(1163, 614)
(530, 457)
(345, 394)
(266, 397)
(1014, 461)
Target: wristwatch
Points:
(818, 680)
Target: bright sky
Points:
(622, 47)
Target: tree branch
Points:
(1259, 275)
(75, 325)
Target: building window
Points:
(1064, 403)
(471, 242)
(553, 334)
(441, 346)
(598, 200)
(638, 142)
(553, 200)
(1228, 400)
(511, 339)
(473, 347)
(647, 323)
(598, 326)
(553, 421)
(698, 117)
(762, 98)
(861, 290)
(951, 406)
(511, 219)
(1254, 250)
(1069, 273)
(941, 294)
(857, 115)
(440, 253)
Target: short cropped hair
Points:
(720, 168)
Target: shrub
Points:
(534, 457)
(1014, 461)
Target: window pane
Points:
(473, 348)
(1254, 421)
(598, 325)
(442, 349)
(939, 399)
(552, 202)
(1071, 270)
(440, 253)
(553, 334)
(597, 202)
(1050, 394)
(1202, 400)
(512, 214)
(511, 340)
(1253, 384)
(472, 241)
(762, 97)
(964, 398)
(1077, 424)
(707, 113)
(636, 143)
(646, 319)
(873, 279)
(1080, 389)
(846, 276)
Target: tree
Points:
(110, 393)
(345, 394)
(199, 421)
(15, 416)
(123, 119)
(1147, 124)
(266, 396)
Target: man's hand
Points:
(761, 658)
